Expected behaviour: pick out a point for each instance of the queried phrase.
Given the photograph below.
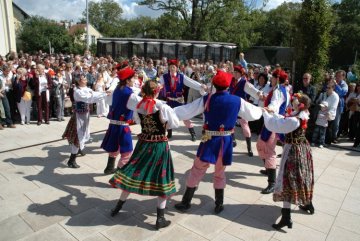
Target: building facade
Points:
(94, 34)
(7, 27)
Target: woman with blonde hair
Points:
(22, 95)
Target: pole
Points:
(49, 47)
(87, 25)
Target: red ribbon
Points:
(149, 104)
(173, 86)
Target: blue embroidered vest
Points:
(222, 115)
(178, 92)
(118, 110)
(238, 88)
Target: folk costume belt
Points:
(180, 100)
(119, 123)
(208, 134)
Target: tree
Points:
(279, 28)
(36, 32)
(105, 16)
(198, 15)
(346, 33)
(313, 40)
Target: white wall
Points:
(7, 27)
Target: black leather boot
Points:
(186, 200)
(169, 135)
(219, 200)
(110, 167)
(233, 140)
(193, 134)
(248, 144)
(262, 171)
(161, 222)
(309, 208)
(285, 219)
(117, 208)
(81, 153)
(271, 182)
(72, 161)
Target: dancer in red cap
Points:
(173, 83)
(277, 101)
(118, 136)
(221, 110)
(241, 87)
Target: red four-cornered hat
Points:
(173, 62)
(222, 79)
(239, 69)
(125, 74)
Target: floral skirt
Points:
(295, 181)
(150, 171)
(70, 132)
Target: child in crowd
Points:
(321, 125)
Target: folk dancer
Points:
(173, 83)
(118, 136)
(277, 101)
(77, 131)
(150, 169)
(241, 87)
(295, 181)
(221, 110)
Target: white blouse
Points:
(279, 124)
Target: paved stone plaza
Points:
(42, 199)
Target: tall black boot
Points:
(186, 200)
(110, 167)
(81, 153)
(233, 140)
(72, 161)
(117, 208)
(285, 219)
(271, 181)
(169, 135)
(309, 208)
(248, 144)
(262, 171)
(161, 222)
(192, 133)
(219, 200)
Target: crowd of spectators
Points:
(38, 87)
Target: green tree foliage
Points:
(198, 16)
(141, 27)
(313, 40)
(105, 16)
(279, 27)
(346, 33)
(36, 32)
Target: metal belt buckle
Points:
(205, 137)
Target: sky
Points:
(72, 9)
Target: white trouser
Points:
(24, 109)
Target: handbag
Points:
(67, 103)
(27, 96)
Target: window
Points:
(92, 39)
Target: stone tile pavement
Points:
(42, 199)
